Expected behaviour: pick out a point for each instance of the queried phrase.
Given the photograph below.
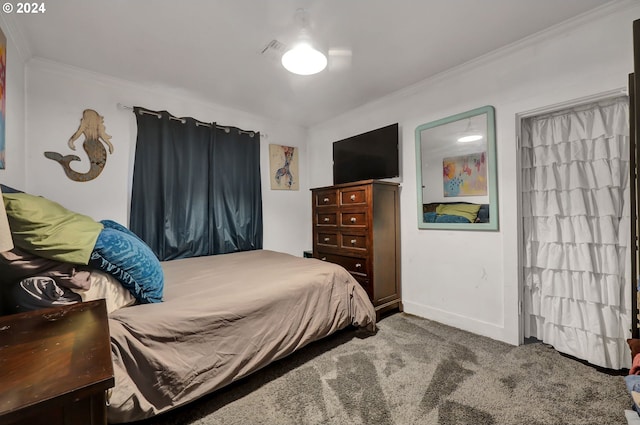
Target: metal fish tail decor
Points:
(92, 126)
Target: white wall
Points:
(470, 279)
(463, 278)
(14, 172)
(56, 96)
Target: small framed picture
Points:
(283, 167)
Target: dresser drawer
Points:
(353, 241)
(353, 196)
(354, 265)
(327, 219)
(326, 198)
(327, 239)
(353, 219)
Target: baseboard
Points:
(468, 324)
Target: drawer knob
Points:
(325, 200)
(326, 219)
(358, 265)
(353, 241)
(324, 258)
(352, 197)
(326, 239)
(353, 219)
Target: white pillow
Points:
(106, 286)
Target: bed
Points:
(183, 328)
(222, 318)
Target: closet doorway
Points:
(575, 235)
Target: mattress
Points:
(224, 317)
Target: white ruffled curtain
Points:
(575, 166)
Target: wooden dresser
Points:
(357, 225)
(55, 366)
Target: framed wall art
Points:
(465, 175)
(3, 95)
(283, 167)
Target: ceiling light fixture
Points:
(470, 134)
(303, 58)
(470, 138)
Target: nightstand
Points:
(55, 366)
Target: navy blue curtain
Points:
(196, 187)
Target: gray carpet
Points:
(415, 371)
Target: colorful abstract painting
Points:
(283, 167)
(3, 73)
(465, 175)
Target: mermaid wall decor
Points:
(283, 164)
(92, 126)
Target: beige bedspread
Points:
(224, 317)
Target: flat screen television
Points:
(370, 155)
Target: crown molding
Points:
(16, 36)
(78, 73)
(61, 68)
(185, 96)
(606, 9)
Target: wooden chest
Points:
(357, 225)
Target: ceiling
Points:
(213, 48)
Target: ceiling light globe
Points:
(470, 138)
(304, 60)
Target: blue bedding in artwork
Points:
(432, 217)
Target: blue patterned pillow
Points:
(119, 252)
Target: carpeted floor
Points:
(415, 371)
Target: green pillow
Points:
(47, 229)
(468, 211)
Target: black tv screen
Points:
(371, 155)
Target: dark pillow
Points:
(119, 252)
(17, 264)
(429, 207)
(7, 189)
(34, 293)
(483, 214)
